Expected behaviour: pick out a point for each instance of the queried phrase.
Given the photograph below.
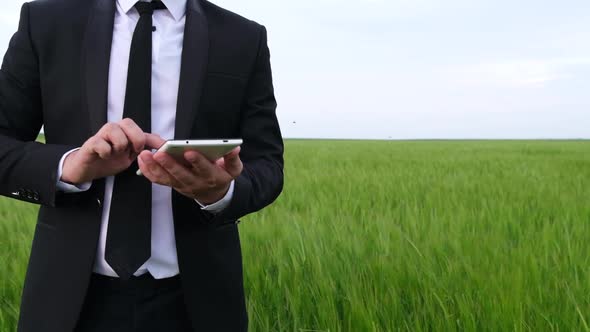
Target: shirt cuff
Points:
(67, 187)
(222, 204)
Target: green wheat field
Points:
(403, 235)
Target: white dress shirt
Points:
(166, 61)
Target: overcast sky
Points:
(421, 68)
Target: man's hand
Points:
(109, 152)
(199, 178)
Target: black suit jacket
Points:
(55, 74)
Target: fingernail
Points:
(191, 157)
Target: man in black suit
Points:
(108, 79)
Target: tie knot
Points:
(148, 7)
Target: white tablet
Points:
(212, 149)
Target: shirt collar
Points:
(176, 7)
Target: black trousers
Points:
(140, 304)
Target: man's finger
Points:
(232, 163)
(201, 165)
(153, 171)
(145, 170)
(235, 153)
(153, 141)
(114, 135)
(102, 148)
(134, 134)
(183, 176)
(229, 156)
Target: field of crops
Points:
(416, 236)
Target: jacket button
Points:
(98, 202)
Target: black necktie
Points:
(128, 244)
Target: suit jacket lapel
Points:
(193, 68)
(96, 60)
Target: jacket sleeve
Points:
(28, 169)
(261, 181)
